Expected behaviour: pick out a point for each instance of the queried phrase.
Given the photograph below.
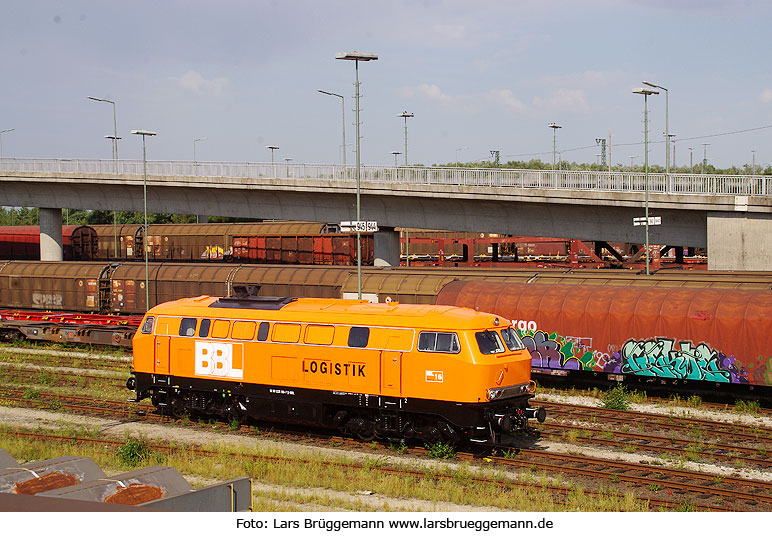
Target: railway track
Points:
(711, 492)
(700, 427)
(556, 491)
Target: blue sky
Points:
(479, 76)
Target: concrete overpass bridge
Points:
(731, 216)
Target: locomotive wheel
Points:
(177, 408)
(233, 413)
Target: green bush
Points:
(750, 407)
(441, 450)
(133, 452)
(618, 398)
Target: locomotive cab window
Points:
(147, 328)
(512, 339)
(188, 327)
(489, 342)
(358, 336)
(444, 342)
(262, 331)
(203, 330)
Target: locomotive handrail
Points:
(673, 183)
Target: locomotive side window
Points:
(188, 327)
(286, 332)
(220, 329)
(262, 331)
(243, 330)
(512, 339)
(319, 334)
(147, 328)
(358, 336)
(489, 342)
(445, 342)
(167, 326)
(203, 330)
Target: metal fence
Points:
(450, 176)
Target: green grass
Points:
(747, 407)
(432, 484)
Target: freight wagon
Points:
(693, 338)
(79, 242)
(576, 352)
(214, 241)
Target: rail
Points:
(674, 183)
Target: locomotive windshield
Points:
(489, 342)
(512, 339)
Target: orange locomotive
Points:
(436, 373)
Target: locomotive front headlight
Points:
(494, 393)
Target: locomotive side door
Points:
(162, 354)
(391, 368)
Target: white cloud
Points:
(465, 103)
(766, 96)
(586, 79)
(194, 82)
(563, 100)
(504, 98)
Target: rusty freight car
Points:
(201, 241)
(695, 337)
(79, 242)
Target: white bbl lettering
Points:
(216, 359)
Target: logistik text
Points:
(333, 368)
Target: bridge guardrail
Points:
(487, 177)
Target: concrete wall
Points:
(386, 247)
(51, 234)
(739, 242)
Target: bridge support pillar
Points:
(51, 234)
(386, 247)
(739, 241)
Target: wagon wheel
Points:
(366, 437)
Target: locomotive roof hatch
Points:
(246, 297)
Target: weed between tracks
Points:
(294, 474)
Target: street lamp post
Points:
(406, 115)
(631, 162)
(753, 170)
(358, 57)
(343, 117)
(667, 127)
(1, 139)
(115, 139)
(555, 129)
(395, 153)
(458, 163)
(704, 155)
(691, 159)
(646, 93)
(145, 246)
(273, 147)
(194, 149)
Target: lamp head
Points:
(356, 55)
